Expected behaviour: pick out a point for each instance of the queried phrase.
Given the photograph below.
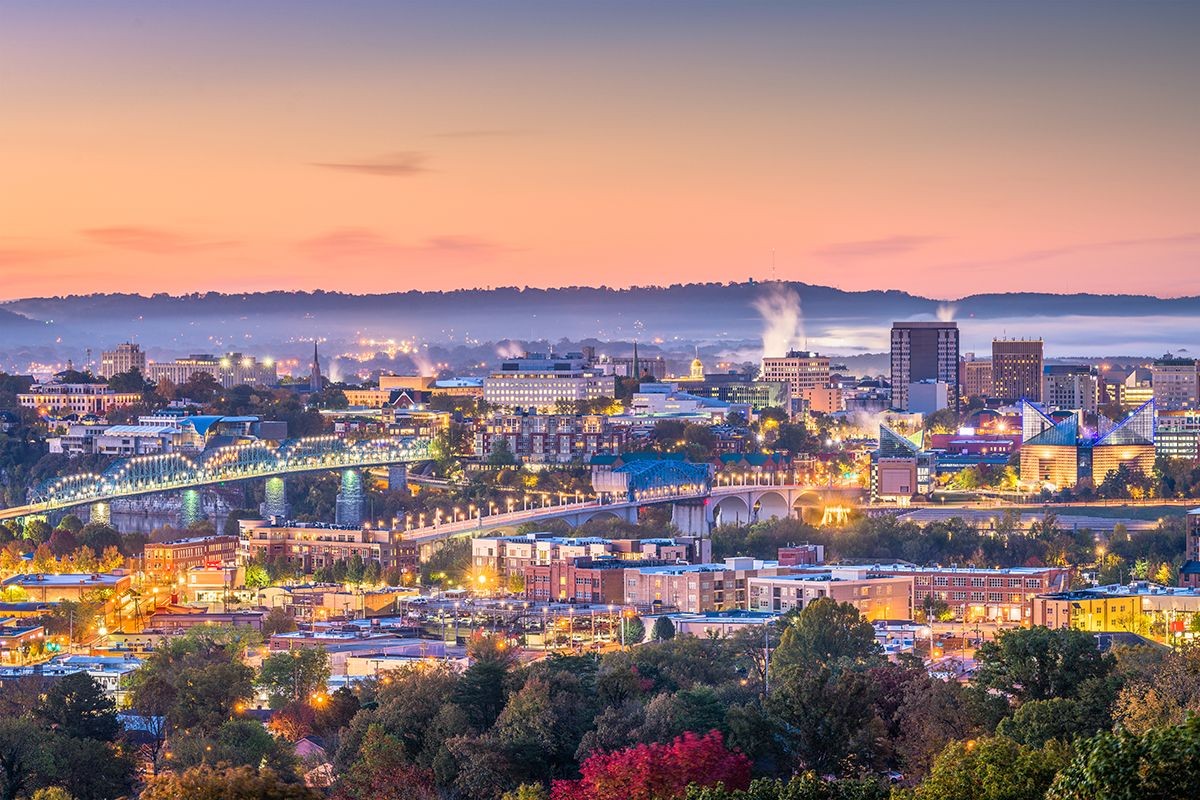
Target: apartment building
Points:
(74, 398)
(876, 596)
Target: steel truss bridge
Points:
(140, 475)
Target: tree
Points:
(195, 680)
(1039, 663)
(992, 768)
(21, 756)
(62, 542)
(277, 620)
(657, 771)
(663, 630)
(826, 718)
(1161, 763)
(76, 706)
(381, 772)
(806, 786)
(502, 454)
(292, 675)
(225, 783)
(633, 630)
(826, 632)
(481, 692)
(257, 576)
(1165, 695)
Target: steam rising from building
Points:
(783, 321)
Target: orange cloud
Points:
(391, 165)
(155, 241)
(350, 243)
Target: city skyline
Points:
(935, 148)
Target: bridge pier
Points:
(275, 498)
(191, 508)
(100, 512)
(397, 478)
(691, 517)
(350, 499)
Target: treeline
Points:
(1121, 555)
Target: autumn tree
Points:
(657, 771)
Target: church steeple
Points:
(636, 372)
(314, 374)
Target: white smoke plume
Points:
(783, 321)
(945, 312)
(510, 349)
(424, 365)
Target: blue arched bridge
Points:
(147, 474)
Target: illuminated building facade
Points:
(1056, 452)
(1017, 369)
(232, 369)
(924, 351)
(127, 356)
(800, 370)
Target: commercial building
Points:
(975, 376)
(824, 400)
(1189, 573)
(666, 401)
(922, 351)
(1071, 386)
(975, 593)
(127, 356)
(1057, 451)
(550, 438)
(1135, 389)
(799, 369)
(503, 556)
(737, 389)
(312, 546)
(47, 588)
(171, 559)
(901, 467)
(1178, 434)
(598, 581)
(111, 673)
(624, 367)
(1176, 383)
(794, 555)
(695, 588)
(232, 369)
(60, 399)
(875, 596)
(18, 641)
(928, 397)
(1017, 369)
(539, 382)
(1165, 613)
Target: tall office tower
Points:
(127, 356)
(800, 369)
(1176, 383)
(924, 351)
(1017, 369)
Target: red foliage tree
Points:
(657, 771)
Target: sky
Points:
(944, 149)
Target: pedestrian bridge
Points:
(142, 475)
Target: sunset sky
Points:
(941, 148)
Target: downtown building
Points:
(537, 382)
(60, 399)
(975, 377)
(1017, 369)
(876, 596)
(125, 357)
(1071, 386)
(504, 556)
(1057, 451)
(550, 438)
(924, 351)
(800, 370)
(312, 546)
(1176, 384)
(232, 369)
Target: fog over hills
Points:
(727, 321)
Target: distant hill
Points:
(833, 319)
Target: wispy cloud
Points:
(29, 256)
(390, 165)
(157, 241)
(1049, 253)
(875, 248)
(482, 133)
(355, 243)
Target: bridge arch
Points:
(731, 510)
(771, 504)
